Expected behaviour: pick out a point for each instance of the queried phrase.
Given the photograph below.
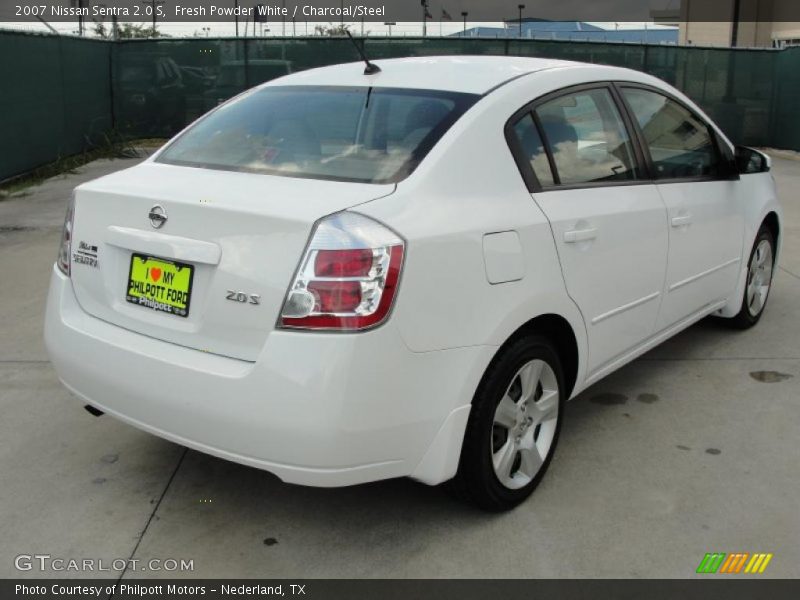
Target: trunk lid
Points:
(241, 233)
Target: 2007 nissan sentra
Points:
(353, 274)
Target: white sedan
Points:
(352, 274)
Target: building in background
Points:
(752, 24)
(577, 31)
(666, 16)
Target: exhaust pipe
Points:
(93, 411)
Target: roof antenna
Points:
(370, 69)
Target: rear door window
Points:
(587, 138)
(532, 149)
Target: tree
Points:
(331, 30)
(128, 31)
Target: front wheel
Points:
(513, 426)
(759, 280)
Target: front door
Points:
(706, 227)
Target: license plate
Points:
(161, 285)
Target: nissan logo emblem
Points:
(157, 216)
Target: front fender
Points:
(758, 197)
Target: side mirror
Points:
(750, 161)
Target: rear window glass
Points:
(372, 135)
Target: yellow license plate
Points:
(161, 285)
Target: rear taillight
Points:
(65, 250)
(347, 278)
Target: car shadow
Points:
(205, 482)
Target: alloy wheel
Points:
(525, 424)
(759, 277)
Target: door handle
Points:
(580, 235)
(681, 220)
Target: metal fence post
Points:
(112, 57)
(246, 42)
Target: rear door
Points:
(706, 227)
(609, 223)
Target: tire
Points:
(760, 268)
(521, 435)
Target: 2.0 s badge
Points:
(243, 297)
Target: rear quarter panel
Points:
(468, 186)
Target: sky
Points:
(224, 29)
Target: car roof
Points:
(468, 74)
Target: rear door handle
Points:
(681, 220)
(580, 235)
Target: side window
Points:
(680, 144)
(530, 144)
(587, 138)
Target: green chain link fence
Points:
(61, 95)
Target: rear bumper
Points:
(314, 409)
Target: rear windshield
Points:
(371, 135)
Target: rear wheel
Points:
(513, 426)
(759, 280)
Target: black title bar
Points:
(400, 10)
(709, 587)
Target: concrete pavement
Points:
(690, 449)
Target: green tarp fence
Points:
(55, 98)
(62, 95)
